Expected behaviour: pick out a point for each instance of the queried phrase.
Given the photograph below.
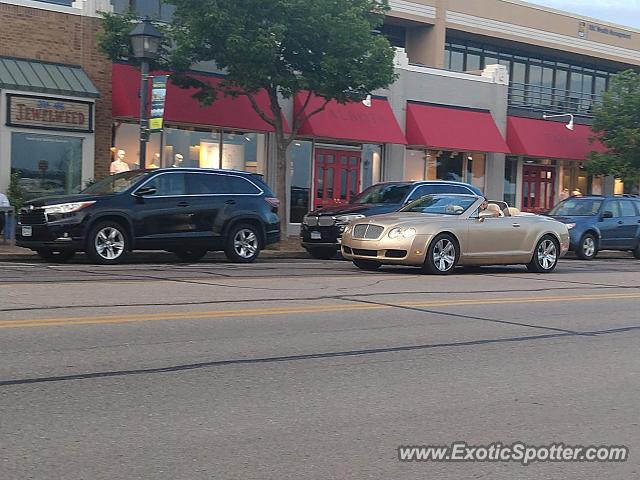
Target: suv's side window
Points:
(612, 206)
(205, 184)
(628, 209)
(168, 185)
(420, 192)
(219, 184)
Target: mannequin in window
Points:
(155, 162)
(177, 160)
(119, 165)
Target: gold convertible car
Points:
(438, 232)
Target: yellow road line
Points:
(212, 314)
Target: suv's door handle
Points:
(230, 202)
(183, 204)
(516, 225)
(620, 222)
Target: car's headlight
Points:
(348, 218)
(395, 232)
(571, 225)
(409, 232)
(398, 231)
(66, 207)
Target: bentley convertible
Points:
(438, 232)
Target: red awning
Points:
(353, 121)
(225, 112)
(543, 138)
(451, 128)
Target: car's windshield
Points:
(115, 183)
(384, 193)
(577, 207)
(441, 204)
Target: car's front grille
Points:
(322, 221)
(365, 253)
(32, 217)
(366, 231)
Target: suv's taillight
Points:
(274, 202)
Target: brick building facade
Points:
(58, 35)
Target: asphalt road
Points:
(312, 370)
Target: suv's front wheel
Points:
(107, 243)
(243, 243)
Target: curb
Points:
(160, 256)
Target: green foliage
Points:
(15, 193)
(617, 125)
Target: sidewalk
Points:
(287, 249)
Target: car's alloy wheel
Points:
(546, 255)
(243, 244)
(108, 243)
(56, 256)
(368, 265)
(190, 254)
(587, 249)
(442, 255)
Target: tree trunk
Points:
(281, 183)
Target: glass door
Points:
(337, 176)
(538, 188)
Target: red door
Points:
(538, 188)
(337, 176)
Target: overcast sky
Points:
(624, 12)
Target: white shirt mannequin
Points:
(119, 165)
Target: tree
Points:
(323, 48)
(617, 126)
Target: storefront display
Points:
(48, 164)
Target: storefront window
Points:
(48, 164)
(449, 166)
(414, 165)
(371, 165)
(244, 151)
(191, 148)
(510, 179)
(301, 157)
(475, 171)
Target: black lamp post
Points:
(145, 41)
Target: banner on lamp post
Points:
(158, 97)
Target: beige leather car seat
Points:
(513, 211)
(495, 210)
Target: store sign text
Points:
(48, 113)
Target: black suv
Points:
(322, 228)
(185, 211)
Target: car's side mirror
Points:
(145, 191)
(607, 214)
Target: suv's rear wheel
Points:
(243, 243)
(587, 249)
(190, 254)
(55, 256)
(107, 243)
(322, 253)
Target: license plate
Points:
(316, 236)
(27, 231)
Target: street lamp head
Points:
(145, 40)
